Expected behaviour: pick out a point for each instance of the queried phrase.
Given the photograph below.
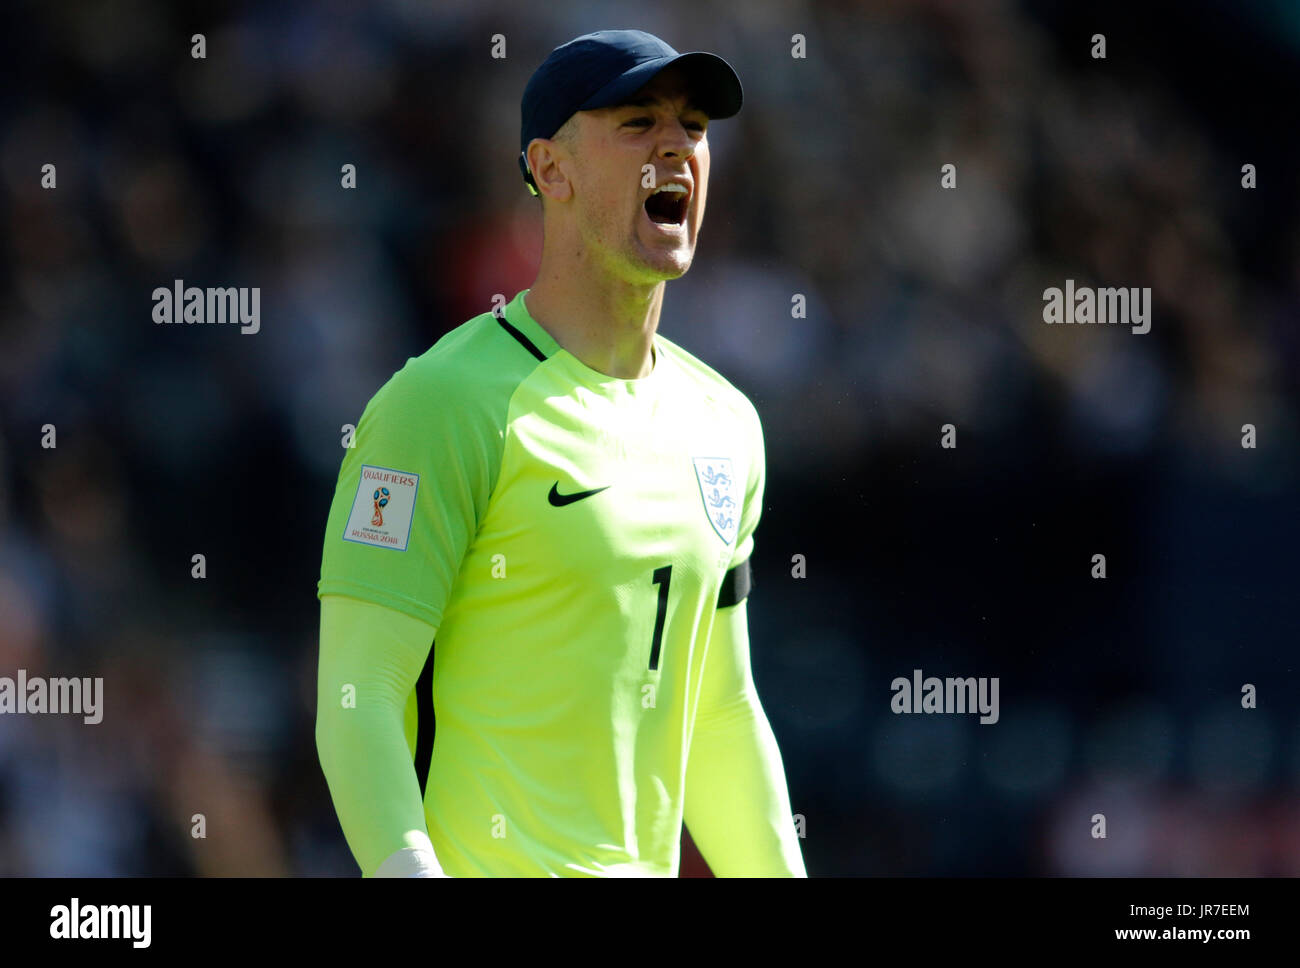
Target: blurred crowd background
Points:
(1118, 696)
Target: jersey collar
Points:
(516, 314)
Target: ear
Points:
(549, 162)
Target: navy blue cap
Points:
(605, 68)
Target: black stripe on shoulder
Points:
(736, 585)
(524, 340)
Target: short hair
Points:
(567, 136)
(568, 133)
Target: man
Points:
(565, 500)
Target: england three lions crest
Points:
(721, 494)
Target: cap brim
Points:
(715, 86)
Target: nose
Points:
(676, 142)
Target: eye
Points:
(639, 121)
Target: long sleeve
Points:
(370, 658)
(737, 804)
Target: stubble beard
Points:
(664, 262)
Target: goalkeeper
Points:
(534, 653)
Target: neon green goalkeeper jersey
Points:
(570, 536)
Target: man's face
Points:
(639, 238)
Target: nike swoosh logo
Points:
(560, 500)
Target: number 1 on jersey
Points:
(661, 577)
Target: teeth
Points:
(670, 187)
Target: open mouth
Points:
(667, 204)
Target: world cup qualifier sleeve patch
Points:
(383, 508)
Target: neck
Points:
(608, 324)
